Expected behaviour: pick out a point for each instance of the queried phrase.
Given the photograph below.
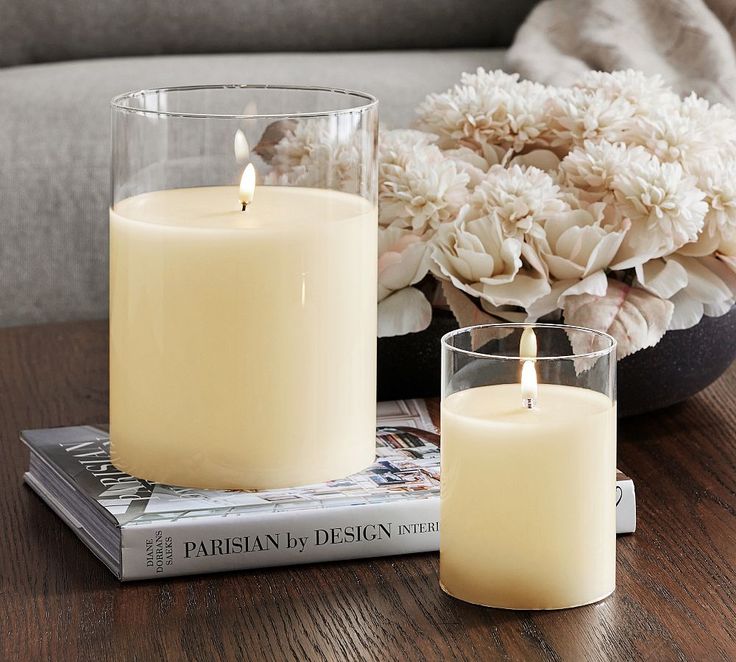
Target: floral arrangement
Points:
(610, 204)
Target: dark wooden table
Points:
(675, 597)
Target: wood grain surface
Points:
(675, 597)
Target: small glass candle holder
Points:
(528, 505)
(243, 234)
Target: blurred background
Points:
(61, 63)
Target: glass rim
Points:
(522, 325)
(118, 101)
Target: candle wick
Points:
(529, 403)
(245, 206)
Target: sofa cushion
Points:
(49, 30)
(55, 153)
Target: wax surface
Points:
(528, 511)
(242, 344)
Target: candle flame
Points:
(247, 185)
(528, 385)
(528, 344)
(241, 147)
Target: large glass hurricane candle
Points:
(243, 285)
(528, 503)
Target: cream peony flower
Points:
(576, 244)
(476, 257)
(710, 290)
(403, 260)
(418, 187)
(666, 209)
(517, 198)
(488, 108)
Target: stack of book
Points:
(143, 530)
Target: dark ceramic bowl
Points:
(680, 365)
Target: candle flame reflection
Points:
(528, 344)
(241, 147)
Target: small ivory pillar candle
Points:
(528, 493)
(242, 335)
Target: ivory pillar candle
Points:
(528, 490)
(242, 343)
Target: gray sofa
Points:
(60, 63)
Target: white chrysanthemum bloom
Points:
(396, 146)
(715, 120)
(476, 257)
(670, 136)
(420, 188)
(577, 243)
(488, 108)
(309, 155)
(518, 199)
(575, 115)
(665, 207)
(403, 260)
(590, 169)
(642, 91)
(482, 79)
(716, 177)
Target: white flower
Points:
(642, 91)
(710, 290)
(488, 108)
(542, 159)
(404, 311)
(476, 257)
(517, 198)
(418, 187)
(473, 164)
(666, 209)
(716, 177)
(490, 80)
(575, 115)
(397, 145)
(591, 168)
(715, 120)
(669, 135)
(576, 244)
(403, 260)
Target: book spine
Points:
(625, 506)
(215, 543)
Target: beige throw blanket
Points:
(689, 42)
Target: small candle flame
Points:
(247, 185)
(528, 385)
(241, 147)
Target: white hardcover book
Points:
(144, 530)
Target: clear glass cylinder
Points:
(528, 476)
(243, 285)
